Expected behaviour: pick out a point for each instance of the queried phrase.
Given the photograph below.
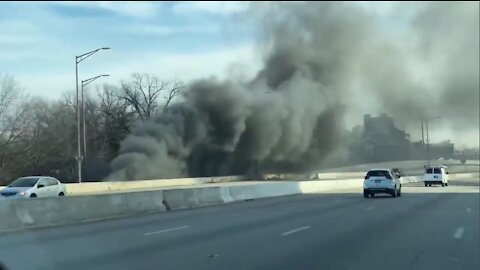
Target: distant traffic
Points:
(387, 181)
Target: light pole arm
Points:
(84, 56)
(90, 80)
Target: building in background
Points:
(467, 154)
(443, 149)
(380, 140)
(384, 141)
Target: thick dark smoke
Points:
(323, 62)
(448, 36)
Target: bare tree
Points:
(175, 90)
(144, 90)
(9, 92)
(12, 119)
(111, 104)
(39, 137)
(116, 119)
(47, 143)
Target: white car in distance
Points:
(33, 187)
(381, 181)
(436, 175)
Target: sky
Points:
(184, 40)
(173, 40)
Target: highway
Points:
(427, 228)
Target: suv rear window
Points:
(378, 173)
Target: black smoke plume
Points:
(324, 63)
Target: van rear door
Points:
(433, 174)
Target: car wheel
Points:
(365, 194)
(394, 193)
(399, 192)
(61, 194)
(443, 184)
(446, 184)
(426, 184)
(33, 195)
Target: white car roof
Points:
(379, 170)
(436, 166)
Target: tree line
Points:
(39, 136)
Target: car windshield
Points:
(378, 173)
(24, 182)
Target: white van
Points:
(436, 175)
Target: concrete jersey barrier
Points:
(31, 213)
(464, 175)
(195, 197)
(95, 187)
(28, 213)
(20, 214)
(99, 187)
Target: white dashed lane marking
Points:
(295, 230)
(459, 233)
(167, 230)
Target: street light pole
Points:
(79, 154)
(423, 136)
(428, 143)
(85, 83)
(78, 60)
(428, 137)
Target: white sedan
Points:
(33, 187)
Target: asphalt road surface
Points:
(427, 228)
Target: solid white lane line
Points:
(167, 230)
(459, 233)
(469, 209)
(295, 230)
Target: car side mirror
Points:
(40, 186)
